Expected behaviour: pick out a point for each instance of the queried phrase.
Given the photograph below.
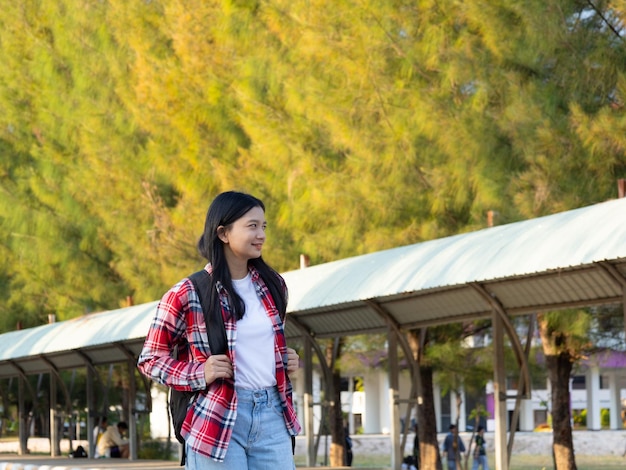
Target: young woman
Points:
(243, 416)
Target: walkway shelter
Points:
(88, 341)
(570, 259)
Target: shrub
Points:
(155, 450)
(605, 418)
(580, 417)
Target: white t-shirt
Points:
(255, 360)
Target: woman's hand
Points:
(216, 367)
(293, 360)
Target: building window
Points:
(579, 382)
(605, 382)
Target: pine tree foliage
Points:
(362, 125)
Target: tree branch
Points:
(606, 21)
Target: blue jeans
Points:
(480, 460)
(260, 440)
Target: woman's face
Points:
(244, 238)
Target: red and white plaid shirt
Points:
(179, 320)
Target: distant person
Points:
(480, 455)
(112, 444)
(98, 431)
(453, 447)
(348, 447)
(409, 463)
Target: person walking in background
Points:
(453, 447)
(242, 415)
(480, 454)
(348, 454)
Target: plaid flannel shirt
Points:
(179, 320)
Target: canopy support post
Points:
(499, 393)
(394, 399)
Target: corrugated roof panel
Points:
(430, 307)
(291, 330)
(357, 317)
(567, 286)
(89, 330)
(66, 360)
(523, 248)
(33, 365)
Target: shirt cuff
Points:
(196, 379)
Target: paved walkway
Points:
(526, 443)
(9, 462)
(31, 462)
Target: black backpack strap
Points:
(214, 321)
(216, 332)
(178, 405)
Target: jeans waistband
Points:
(261, 395)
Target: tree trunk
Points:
(334, 349)
(560, 368)
(427, 423)
(338, 438)
(559, 361)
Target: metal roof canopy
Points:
(569, 259)
(573, 258)
(97, 339)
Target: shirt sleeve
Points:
(168, 328)
(117, 438)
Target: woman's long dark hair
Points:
(225, 209)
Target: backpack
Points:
(79, 453)
(180, 400)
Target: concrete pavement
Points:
(31, 462)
